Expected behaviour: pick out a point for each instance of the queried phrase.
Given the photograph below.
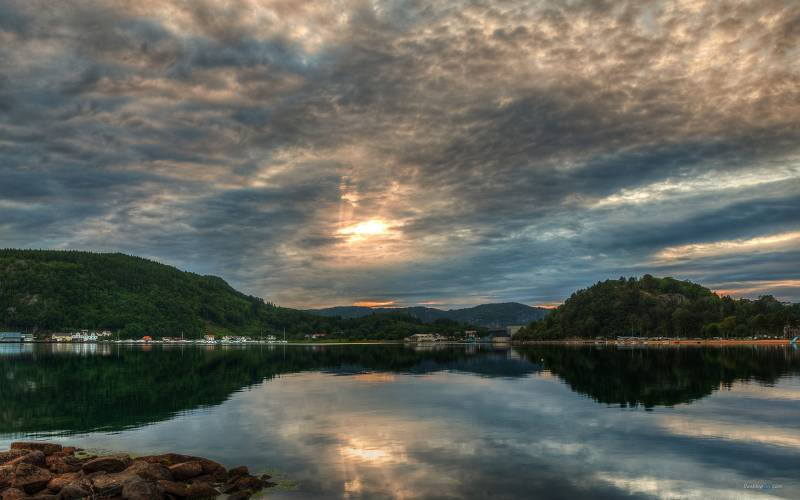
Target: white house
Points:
(421, 337)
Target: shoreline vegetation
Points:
(45, 470)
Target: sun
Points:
(372, 227)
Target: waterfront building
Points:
(421, 337)
(84, 336)
(11, 337)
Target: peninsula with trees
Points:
(653, 307)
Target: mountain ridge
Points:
(492, 315)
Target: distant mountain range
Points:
(486, 315)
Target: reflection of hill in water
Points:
(104, 387)
(112, 388)
(661, 376)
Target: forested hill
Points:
(660, 307)
(487, 315)
(44, 290)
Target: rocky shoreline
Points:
(48, 471)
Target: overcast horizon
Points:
(400, 153)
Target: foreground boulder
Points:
(141, 489)
(146, 470)
(111, 463)
(46, 448)
(7, 456)
(13, 494)
(111, 484)
(30, 478)
(48, 471)
(36, 458)
(63, 464)
(174, 488)
(186, 470)
(59, 482)
(76, 489)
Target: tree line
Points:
(661, 307)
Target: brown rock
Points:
(248, 483)
(167, 459)
(186, 470)
(174, 488)
(242, 470)
(93, 475)
(63, 464)
(75, 489)
(6, 475)
(141, 489)
(13, 494)
(29, 478)
(58, 482)
(44, 496)
(34, 457)
(112, 484)
(110, 463)
(209, 466)
(201, 490)
(46, 448)
(7, 456)
(213, 468)
(69, 450)
(204, 478)
(151, 471)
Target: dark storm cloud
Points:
(454, 152)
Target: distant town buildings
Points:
(421, 337)
(791, 331)
(15, 337)
(84, 336)
(235, 339)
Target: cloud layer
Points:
(320, 153)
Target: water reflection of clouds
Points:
(729, 431)
(439, 447)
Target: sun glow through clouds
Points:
(360, 231)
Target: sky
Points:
(443, 153)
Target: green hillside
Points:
(660, 307)
(43, 291)
(485, 315)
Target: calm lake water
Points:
(388, 421)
